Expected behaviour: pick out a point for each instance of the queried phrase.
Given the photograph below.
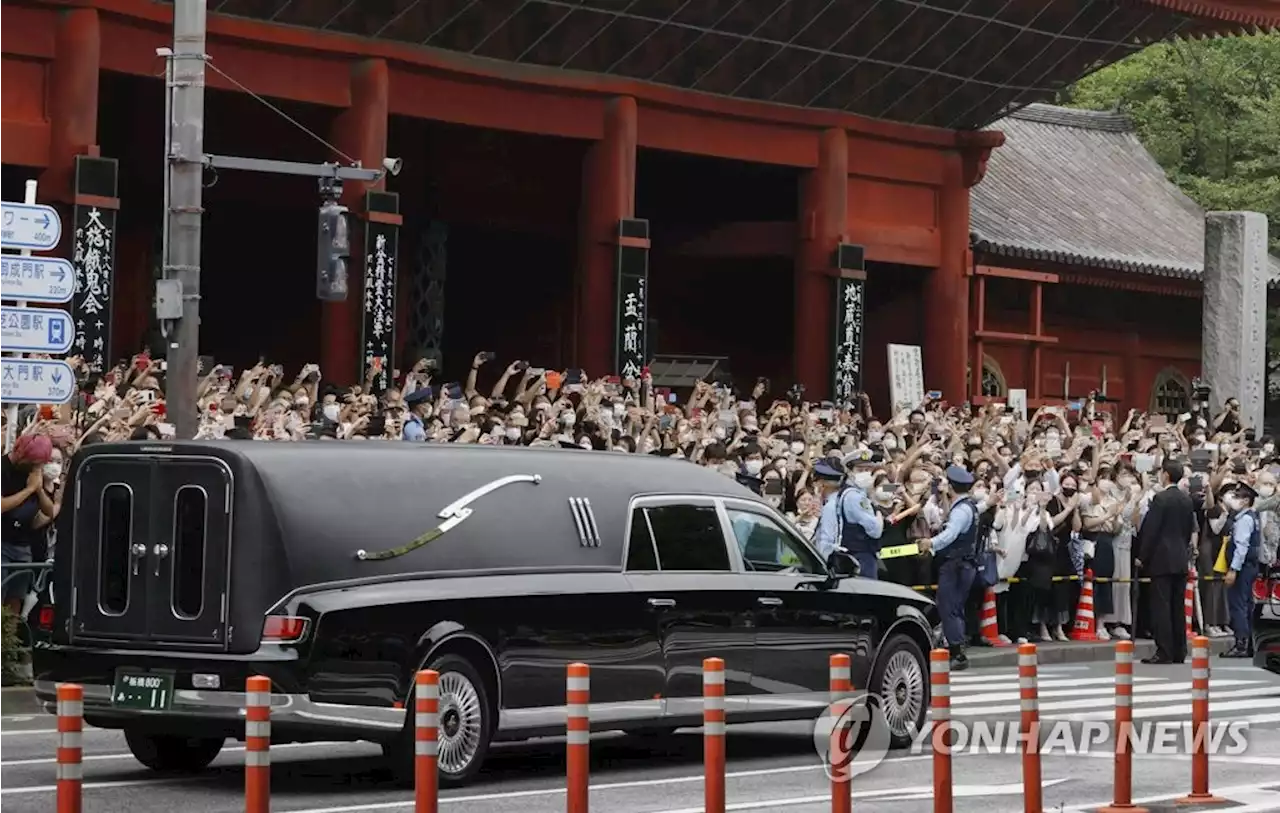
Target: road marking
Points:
(1252, 806)
(123, 783)
(909, 794)
(1139, 710)
(13, 763)
(1181, 687)
(1183, 709)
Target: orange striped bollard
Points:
(1200, 725)
(1123, 802)
(713, 734)
(257, 744)
(70, 727)
(578, 736)
(940, 719)
(426, 741)
(838, 752)
(1029, 728)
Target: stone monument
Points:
(1234, 339)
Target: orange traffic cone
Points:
(1086, 626)
(990, 622)
(1189, 603)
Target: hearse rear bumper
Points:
(194, 712)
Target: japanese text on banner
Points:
(380, 306)
(93, 258)
(848, 349)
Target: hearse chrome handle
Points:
(662, 603)
(453, 514)
(769, 601)
(161, 550)
(137, 552)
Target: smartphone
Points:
(453, 391)
(573, 376)
(204, 364)
(666, 421)
(488, 356)
(825, 415)
(535, 371)
(554, 380)
(147, 396)
(934, 395)
(1144, 463)
(672, 398)
(773, 487)
(377, 426)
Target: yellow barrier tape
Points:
(909, 549)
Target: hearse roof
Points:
(328, 500)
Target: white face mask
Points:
(1268, 448)
(52, 471)
(332, 412)
(890, 442)
(884, 495)
(781, 466)
(585, 444)
(753, 467)
(750, 425)
(797, 447)
(979, 494)
(1234, 503)
(619, 409)
(875, 436)
(568, 419)
(863, 480)
(513, 433)
(718, 432)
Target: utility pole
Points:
(184, 144)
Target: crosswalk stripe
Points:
(1109, 713)
(1215, 708)
(1058, 679)
(962, 696)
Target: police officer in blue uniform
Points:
(848, 520)
(1242, 568)
(955, 549)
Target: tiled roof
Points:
(1077, 187)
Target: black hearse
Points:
(339, 569)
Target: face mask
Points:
(890, 442)
(750, 426)
(619, 410)
(568, 419)
(774, 502)
(875, 436)
(979, 494)
(301, 403)
(1267, 491)
(1068, 492)
(753, 467)
(863, 480)
(797, 447)
(332, 412)
(585, 444)
(781, 466)
(718, 432)
(1126, 481)
(1268, 448)
(513, 433)
(1052, 437)
(1105, 484)
(1234, 503)
(52, 471)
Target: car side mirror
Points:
(842, 565)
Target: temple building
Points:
(594, 184)
(1088, 266)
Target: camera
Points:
(1200, 391)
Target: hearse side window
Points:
(189, 506)
(640, 552)
(767, 548)
(688, 537)
(115, 533)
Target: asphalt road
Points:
(771, 767)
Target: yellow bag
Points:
(1220, 566)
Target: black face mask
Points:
(1068, 492)
(1032, 476)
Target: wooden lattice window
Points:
(1171, 395)
(993, 381)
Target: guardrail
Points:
(940, 735)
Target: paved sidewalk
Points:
(1074, 652)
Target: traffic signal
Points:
(334, 249)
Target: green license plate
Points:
(149, 691)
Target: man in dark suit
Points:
(1165, 543)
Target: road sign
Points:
(29, 226)
(32, 381)
(37, 279)
(35, 330)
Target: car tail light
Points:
(285, 629)
(45, 620)
(1259, 589)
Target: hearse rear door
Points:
(150, 546)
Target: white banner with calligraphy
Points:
(378, 333)
(906, 376)
(93, 256)
(848, 328)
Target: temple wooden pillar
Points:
(360, 131)
(608, 196)
(946, 290)
(73, 102)
(824, 209)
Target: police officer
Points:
(955, 549)
(1242, 564)
(848, 520)
(418, 403)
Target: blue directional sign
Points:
(35, 330)
(37, 279)
(29, 226)
(33, 381)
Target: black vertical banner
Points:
(93, 256)
(848, 324)
(632, 340)
(381, 263)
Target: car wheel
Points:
(465, 725)
(901, 679)
(163, 752)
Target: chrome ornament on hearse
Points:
(339, 570)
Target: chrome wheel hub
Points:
(902, 694)
(461, 722)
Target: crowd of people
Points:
(1043, 498)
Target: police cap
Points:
(418, 396)
(1244, 492)
(823, 470)
(958, 476)
(863, 457)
